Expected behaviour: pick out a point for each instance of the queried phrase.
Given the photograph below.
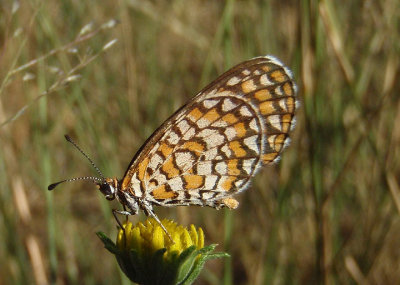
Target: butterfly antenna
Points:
(94, 179)
(69, 139)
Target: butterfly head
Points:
(108, 187)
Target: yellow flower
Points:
(148, 237)
(146, 254)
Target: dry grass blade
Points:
(394, 189)
(337, 40)
(170, 22)
(63, 79)
(354, 270)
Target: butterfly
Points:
(210, 148)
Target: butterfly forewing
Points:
(211, 147)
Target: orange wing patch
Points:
(232, 167)
(279, 140)
(193, 181)
(286, 122)
(263, 95)
(195, 114)
(227, 184)
(248, 86)
(287, 88)
(230, 118)
(269, 157)
(240, 130)
(290, 104)
(161, 193)
(170, 169)
(237, 149)
(211, 115)
(195, 147)
(278, 76)
(266, 68)
(267, 108)
(142, 168)
(165, 149)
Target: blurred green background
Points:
(328, 213)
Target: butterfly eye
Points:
(108, 191)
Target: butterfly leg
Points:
(149, 212)
(126, 214)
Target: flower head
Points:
(148, 237)
(147, 255)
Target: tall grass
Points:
(330, 211)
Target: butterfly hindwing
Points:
(211, 147)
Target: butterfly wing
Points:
(211, 147)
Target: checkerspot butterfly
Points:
(209, 149)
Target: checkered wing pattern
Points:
(211, 147)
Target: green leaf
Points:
(108, 243)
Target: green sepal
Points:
(185, 263)
(205, 254)
(108, 243)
